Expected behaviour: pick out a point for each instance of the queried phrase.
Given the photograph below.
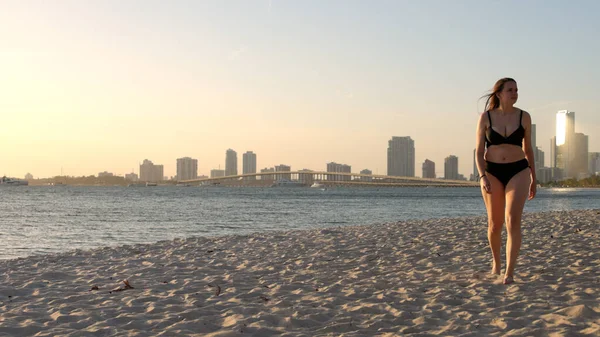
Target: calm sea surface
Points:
(42, 220)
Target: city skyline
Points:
(99, 86)
(400, 160)
(401, 144)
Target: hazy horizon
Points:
(97, 86)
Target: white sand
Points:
(410, 278)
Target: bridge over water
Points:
(307, 178)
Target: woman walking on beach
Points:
(505, 162)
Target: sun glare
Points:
(561, 127)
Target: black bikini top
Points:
(494, 138)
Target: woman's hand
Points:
(532, 190)
(485, 184)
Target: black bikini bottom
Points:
(505, 171)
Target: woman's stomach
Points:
(504, 153)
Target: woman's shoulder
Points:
(483, 118)
(525, 114)
(525, 118)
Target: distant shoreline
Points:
(174, 184)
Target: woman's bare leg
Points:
(517, 191)
(494, 203)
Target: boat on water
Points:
(151, 184)
(138, 184)
(6, 181)
(288, 183)
(210, 184)
(317, 184)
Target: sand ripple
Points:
(422, 277)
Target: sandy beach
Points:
(414, 278)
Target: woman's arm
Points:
(527, 147)
(480, 151)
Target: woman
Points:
(505, 163)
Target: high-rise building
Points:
(533, 138)
(216, 173)
(539, 158)
(401, 157)
(565, 126)
(366, 171)
(543, 174)
(342, 168)
(556, 173)
(428, 169)
(594, 163)
(249, 164)
(306, 176)
(451, 168)
(187, 168)
(570, 148)
(269, 177)
(553, 152)
(475, 174)
(131, 176)
(283, 176)
(579, 166)
(150, 172)
(231, 163)
(538, 155)
(564, 143)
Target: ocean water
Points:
(48, 219)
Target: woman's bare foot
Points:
(495, 269)
(508, 280)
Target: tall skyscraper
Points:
(150, 172)
(231, 163)
(565, 126)
(553, 152)
(451, 168)
(428, 169)
(401, 157)
(187, 168)
(570, 148)
(539, 158)
(475, 170)
(564, 150)
(594, 163)
(538, 155)
(555, 173)
(579, 166)
(249, 164)
(533, 138)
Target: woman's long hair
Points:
(493, 102)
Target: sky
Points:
(93, 86)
